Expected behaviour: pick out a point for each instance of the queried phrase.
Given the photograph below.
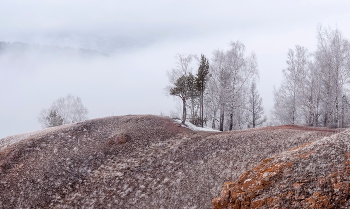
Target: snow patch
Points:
(194, 127)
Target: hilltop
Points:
(134, 161)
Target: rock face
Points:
(314, 175)
(138, 162)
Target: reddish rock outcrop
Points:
(315, 175)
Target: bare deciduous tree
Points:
(332, 56)
(315, 88)
(288, 98)
(255, 110)
(180, 79)
(231, 74)
(64, 110)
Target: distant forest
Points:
(20, 48)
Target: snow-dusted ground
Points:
(7, 141)
(132, 162)
(194, 127)
(314, 175)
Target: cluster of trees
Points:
(315, 88)
(190, 87)
(222, 94)
(64, 110)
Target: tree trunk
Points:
(253, 112)
(192, 111)
(254, 120)
(342, 118)
(222, 115)
(231, 122)
(183, 111)
(214, 119)
(202, 112)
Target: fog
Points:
(135, 43)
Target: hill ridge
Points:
(133, 161)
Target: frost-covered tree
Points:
(316, 86)
(212, 100)
(255, 110)
(332, 57)
(231, 73)
(311, 95)
(64, 110)
(243, 69)
(218, 88)
(288, 97)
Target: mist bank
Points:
(33, 76)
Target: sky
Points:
(141, 39)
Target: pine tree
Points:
(181, 89)
(202, 73)
(193, 95)
(54, 119)
(64, 110)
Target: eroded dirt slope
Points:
(132, 162)
(314, 175)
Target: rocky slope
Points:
(314, 175)
(133, 162)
